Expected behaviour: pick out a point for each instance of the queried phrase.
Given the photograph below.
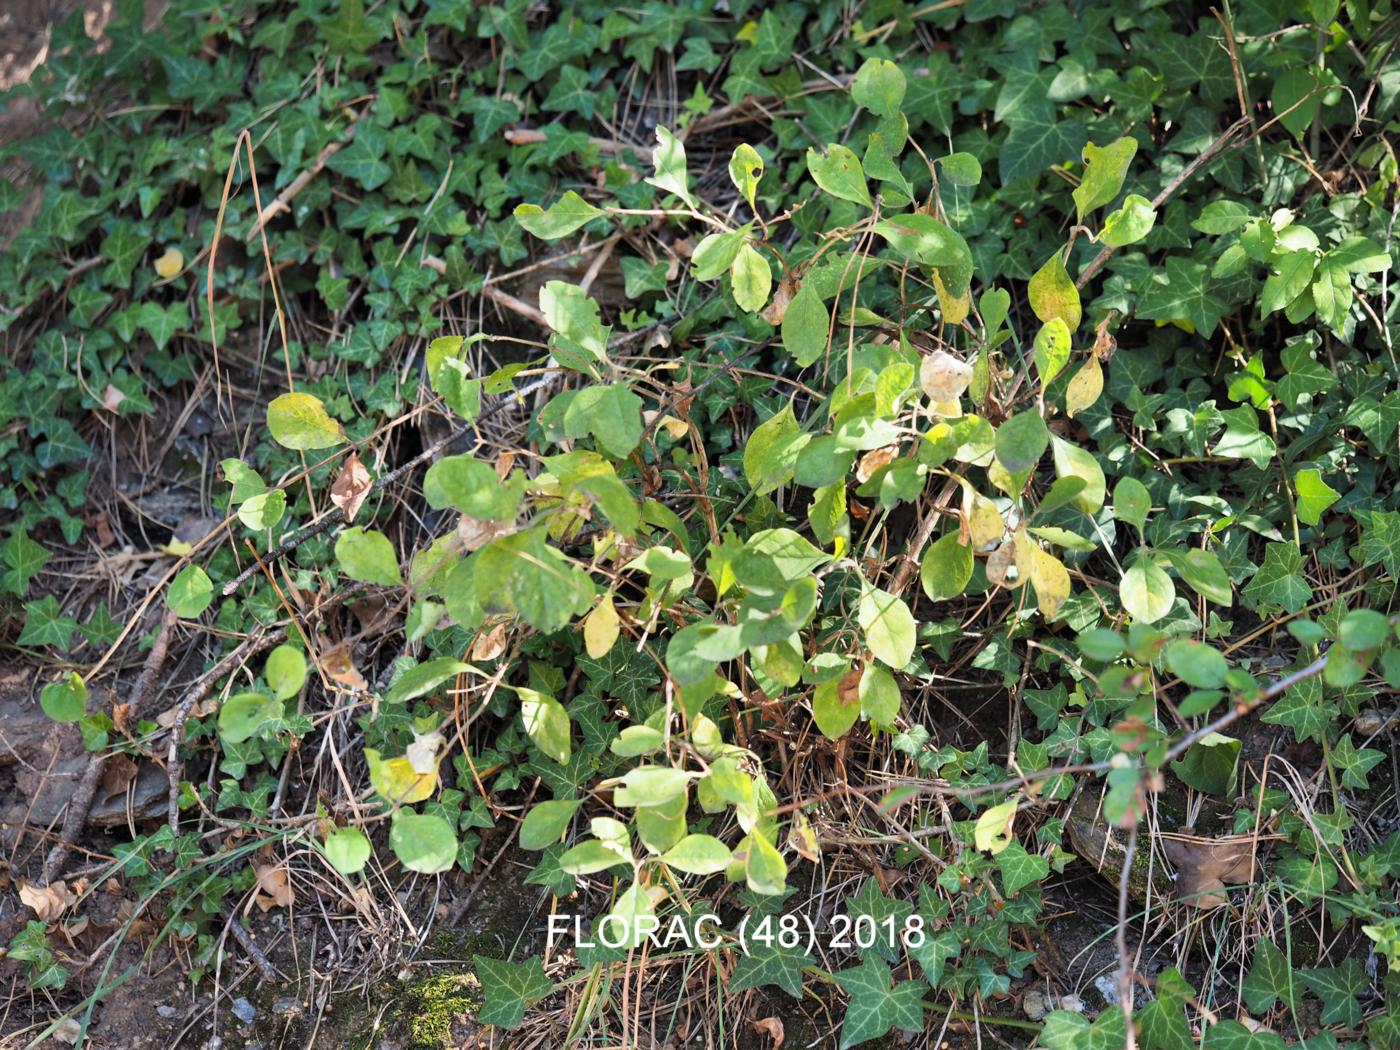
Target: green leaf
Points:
(835, 710)
(1131, 222)
(888, 625)
(668, 158)
(348, 850)
(368, 556)
(1186, 291)
(1295, 98)
(422, 679)
(545, 823)
(299, 421)
(46, 624)
(961, 169)
(1314, 496)
(879, 86)
(879, 696)
(878, 1004)
(1019, 868)
(1292, 274)
(1037, 140)
(751, 279)
(921, 238)
(651, 786)
(285, 671)
(547, 724)
(1021, 441)
(1146, 591)
(24, 559)
(509, 989)
(715, 254)
(245, 715)
(1197, 664)
(162, 322)
(1071, 461)
(1162, 1023)
(1303, 710)
(1338, 987)
(1380, 540)
(1051, 350)
(1210, 765)
(1203, 573)
(66, 699)
(423, 842)
(1269, 980)
(1280, 582)
(612, 414)
(1104, 170)
(805, 326)
(770, 964)
(745, 171)
(264, 510)
(1053, 295)
(946, 568)
(1131, 501)
(770, 455)
(698, 855)
(840, 174)
(562, 217)
(578, 330)
(1363, 629)
(472, 487)
(190, 592)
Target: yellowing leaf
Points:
(1053, 294)
(396, 779)
(1045, 572)
(300, 421)
(984, 524)
(955, 307)
(993, 830)
(601, 628)
(1084, 387)
(171, 263)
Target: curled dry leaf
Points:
(773, 1028)
(338, 665)
(1206, 866)
(802, 837)
(475, 533)
(776, 310)
(117, 773)
(944, 377)
(112, 398)
(999, 564)
(676, 428)
(873, 461)
(47, 902)
(351, 486)
(274, 888)
(488, 645)
(422, 753)
(1104, 343)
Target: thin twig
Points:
(259, 958)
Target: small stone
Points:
(1072, 1003)
(166, 1010)
(1033, 1004)
(287, 1005)
(244, 1010)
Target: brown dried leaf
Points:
(47, 902)
(1205, 866)
(491, 644)
(874, 460)
(351, 486)
(341, 668)
(774, 312)
(112, 398)
(117, 773)
(771, 1027)
(1104, 343)
(999, 564)
(475, 533)
(274, 888)
(802, 837)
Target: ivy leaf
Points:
(1104, 170)
(1038, 140)
(1302, 708)
(1314, 495)
(888, 625)
(770, 964)
(876, 1005)
(24, 560)
(1270, 980)
(1020, 868)
(1162, 1023)
(1380, 540)
(46, 624)
(1338, 988)
(509, 989)
(1355, 764)
(839, 173)
(933, 955)
(1186, 292)
(1279, 583)
(162, 322)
